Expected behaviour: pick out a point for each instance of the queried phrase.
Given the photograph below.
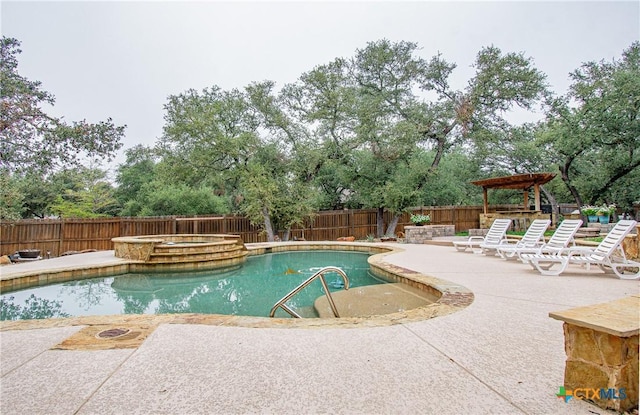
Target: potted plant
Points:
(591, 212)
(605, 212)
(420, 220)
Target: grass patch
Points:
(598, 239)
(521, 233)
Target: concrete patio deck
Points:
(500, 355)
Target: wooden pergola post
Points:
(536, 192)
(485, 196)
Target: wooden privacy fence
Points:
(57, 236)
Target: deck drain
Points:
(112, 333)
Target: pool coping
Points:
(454, 296)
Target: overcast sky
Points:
(123, 59)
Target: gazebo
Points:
(522, 182)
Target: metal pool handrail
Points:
(319, 274)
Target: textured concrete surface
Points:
(88, 260)
(58, 382)
(20, 346)
(502, 354)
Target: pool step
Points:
(181, 251)
(232, 251)
(190, 249)
(377, 299)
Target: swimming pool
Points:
(249, 290)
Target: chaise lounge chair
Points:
(532, 238)
(560, 239)
(608, 255)
(497, 232)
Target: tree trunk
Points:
(391, 229)
(564, 173)
(555, 209)
(380, 222)
(268, 227)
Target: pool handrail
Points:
(305, 283)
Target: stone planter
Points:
(420, 234)
(417, 234)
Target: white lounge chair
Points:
(532, 238)
(560, 239)
(608, 255)
(497, 232)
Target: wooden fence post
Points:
(61, 243)
(351, 221)
(455, 217)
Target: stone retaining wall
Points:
(478, 232)
(631, 245)
(421, 234)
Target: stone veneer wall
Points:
(132, 248)
(181, 252)
(478, 232)
(601, 360)
(421, 234)
(601, 343)
(521, 219)
(417, 234)
(631, 245)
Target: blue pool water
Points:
(250, 290)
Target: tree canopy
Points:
(30, 139)
(35, 145)
(383, 129)
(594, 131)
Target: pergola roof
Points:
(518, 181)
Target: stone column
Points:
(601, 343)
(602, 361)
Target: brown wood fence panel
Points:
(327, 226)
(363, 223)
(30, 234)
(239, 225)
(211, 225)
(57, 236)
(330, 225)
(236, 225)
(463, 217)
(164, 225)
(81, 234)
